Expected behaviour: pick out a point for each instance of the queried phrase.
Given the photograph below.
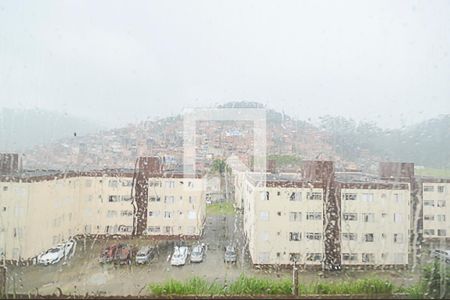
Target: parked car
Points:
(124, 254)
(230, 255)
(179, 256)
(108, 254)
(197, 253)
(68, 247)
(51, 256)
(442, 254)
(145, 254)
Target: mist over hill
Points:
(41, 133)
(21, 129)
(426, 143)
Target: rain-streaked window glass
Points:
(225, 149)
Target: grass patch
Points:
(368, 286)
(245, 285)
(220, 209)
(282, 160)
(433, 172)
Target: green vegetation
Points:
(282, 160)
(433, 172)
(361, 286)
(432, 285)
(259, 286)
(220, 209)
(219, 166)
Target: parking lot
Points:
(83, 273)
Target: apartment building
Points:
(436, 209)
(40, 211)
(374, 223)
(176, 206)
(324, 220)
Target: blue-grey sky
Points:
(121, 61)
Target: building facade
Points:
(39, 212)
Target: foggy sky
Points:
(119, 62)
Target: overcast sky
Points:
(118, 62)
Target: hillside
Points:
(343, 140)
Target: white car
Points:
(179, 256)
(197, 253)
(55, 254)
(51, 256)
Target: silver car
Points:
(442, 254)
(145, 254)
(230, 255)
(197, 253)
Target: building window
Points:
(349, 256)
(113, 183)
(126, 213)
(294, 257)
(350, 196)
(295, 236)
(441, 218)
(428, 203)
(441, 232)
(349, 236)
(154, 183)
(350, 217)
(113, 198)
(111, 214)
(154, 229)
(168, 229)
(264, 195)
(155, 199)
(153, 214)
(295, 216)
(313, 236)
(367, 197)
(169, 199)
(428, 188)
(192, 215)
(167, 214)
(314, 196)
(368, 238)
(428, 232)
(169, 184)
(368, 218)
(397, 198)
(295, 196)
(398, 238)
(126, 182)
(313, 256)
(441, 203)
(368, 258)
(429, 217)
(264, 216)
(314, 216)
(397, 218)
(441, 189)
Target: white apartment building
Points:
(284, 220)
(176, 206)
(37, 213)
(436, 209)
(375, 224)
